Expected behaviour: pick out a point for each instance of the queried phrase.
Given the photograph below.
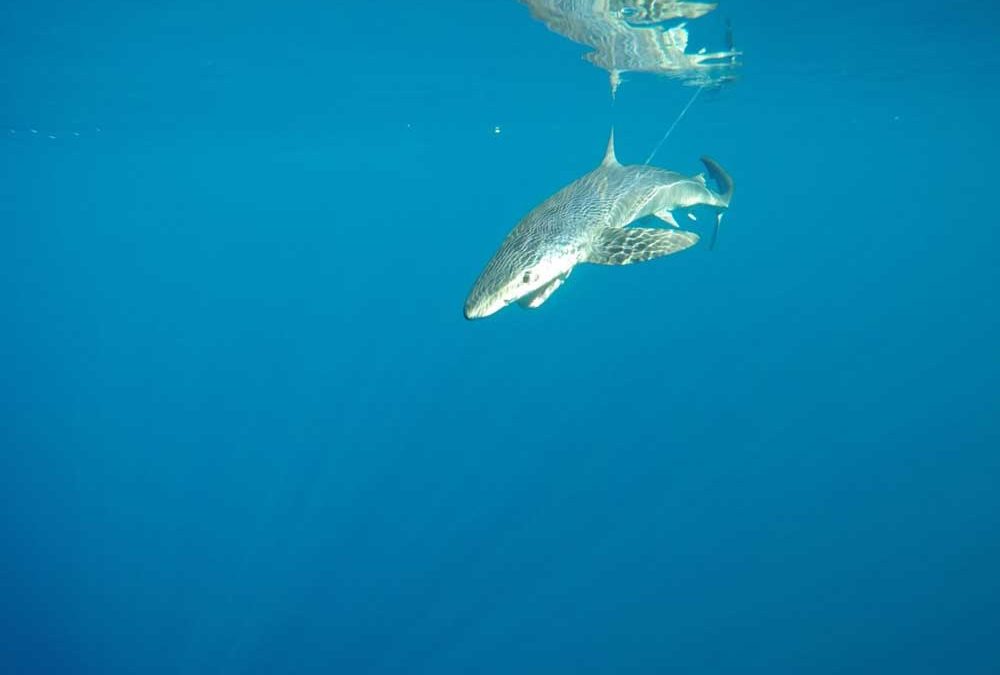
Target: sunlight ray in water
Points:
(648, 36)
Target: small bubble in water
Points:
(51, 137)
(34, 131)
(496, 130)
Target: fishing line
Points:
(674, 125)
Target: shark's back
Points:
(609, 196)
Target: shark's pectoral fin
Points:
(538, 298)
(623, 246)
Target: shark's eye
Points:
(526, 279)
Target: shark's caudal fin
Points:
(715, 230)
(725, 185)
(721, 178)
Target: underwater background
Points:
(246, 428)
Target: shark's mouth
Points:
(537, 298)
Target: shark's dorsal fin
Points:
(609, 154)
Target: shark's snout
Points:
(479, 310)
(486, 296)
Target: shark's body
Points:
(587, 221)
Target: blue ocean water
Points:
(246, 428)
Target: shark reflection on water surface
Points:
(631, 36)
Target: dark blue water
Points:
(246, 429)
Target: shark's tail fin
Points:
(715, 230)
(722, 180)
(725, 185)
